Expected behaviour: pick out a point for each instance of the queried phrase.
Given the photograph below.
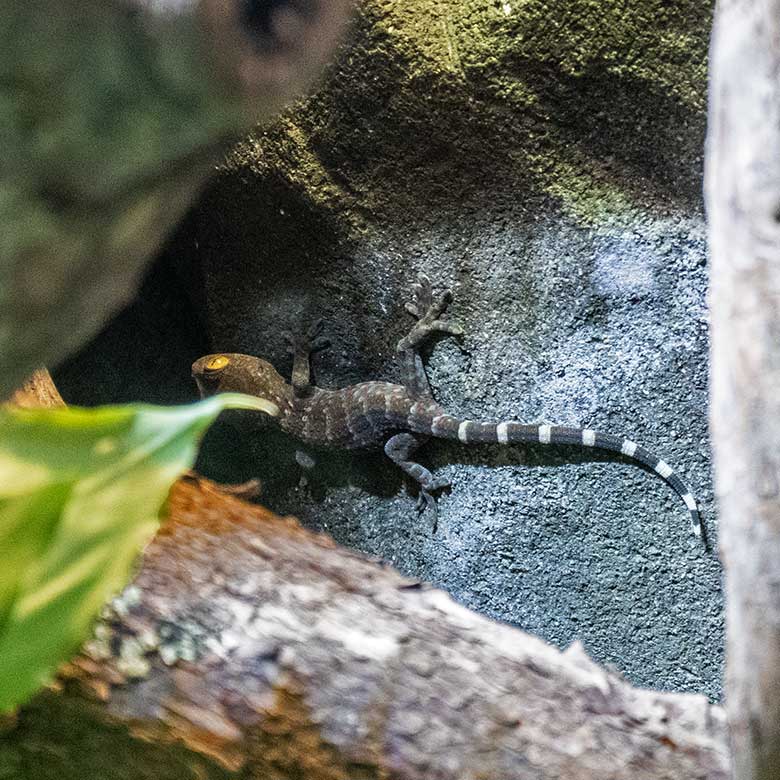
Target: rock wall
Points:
(544, 160)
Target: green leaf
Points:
(80, 494)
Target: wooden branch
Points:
(38, 390)
(268, 652)
(743, 197)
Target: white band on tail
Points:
(628, 448)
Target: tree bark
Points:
(38, 390)
(249, 647)
(743, 197)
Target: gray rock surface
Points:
(570, 227)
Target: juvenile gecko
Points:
(398, 417)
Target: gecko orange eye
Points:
(217, 363)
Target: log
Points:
(743, 199)
(250, 647)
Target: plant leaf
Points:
(80, 494)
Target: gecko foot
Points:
(427, 500)
(310, 341)
(431, 313)
(400, 449)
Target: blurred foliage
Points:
(112, 117)
(80, 494)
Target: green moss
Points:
(286, 148)
(662, 44)
(577, 99)
(589, 198)
(516, 50)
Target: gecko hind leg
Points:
(400, 449)
(301, 347)
(431, 314)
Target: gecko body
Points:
(398, 417)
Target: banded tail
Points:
(469, 432)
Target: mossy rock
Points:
(544, 160)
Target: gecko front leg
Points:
(431, 314)
(400, 449)
(301, 347)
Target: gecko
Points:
(399, 417)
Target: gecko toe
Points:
(443, 326)
(426, 501)
(289, 340)
(316, 329)
(319, 344)
(310, 341)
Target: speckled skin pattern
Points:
(398, 417)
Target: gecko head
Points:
(231, 372)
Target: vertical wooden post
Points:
(743, 199)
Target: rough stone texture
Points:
(544, 160)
